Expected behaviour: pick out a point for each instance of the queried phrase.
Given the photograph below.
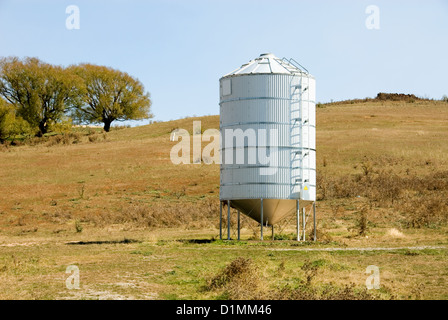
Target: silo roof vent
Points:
(268, 63)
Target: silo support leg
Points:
(304, 222)
(272, 232)
(261, 221)
(239, 226)
(298, 220)
(228, 220)
(314, 218)
(220, 220)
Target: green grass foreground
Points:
(126, 268)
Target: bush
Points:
(65, 139)
(93, 138)
(10, 124)
(78, 226)
(397, 97)
(64, 126)
(241, 279)
(362, 221)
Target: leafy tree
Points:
(40, 92)
(110, 95)
(10, 124)
(5, 120)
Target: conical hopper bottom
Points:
(274, 210)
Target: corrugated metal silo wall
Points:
(263, 101)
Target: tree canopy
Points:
(42, 94)
(110, 95)
(39, 91)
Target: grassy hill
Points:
(131, 167)
(382, 181)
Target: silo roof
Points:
(268, 63)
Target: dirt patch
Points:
(87, 293)
(394, 233)
(22, 244)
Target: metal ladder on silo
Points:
(296, 120)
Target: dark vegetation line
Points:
(409, 98)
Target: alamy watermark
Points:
(257, 148)
(72, 282)
(373, 18)
(73, 21)
(373, 280)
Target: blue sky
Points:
(180, 49)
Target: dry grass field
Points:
(139, 227)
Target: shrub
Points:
(397, 97)
(78, 226)
(241, 279)
(10, 124)
(64, 126)
(93, 138)
(65, 139)
(362, 221)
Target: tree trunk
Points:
(107, 125)
(43, 128)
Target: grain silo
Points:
(268, 144)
